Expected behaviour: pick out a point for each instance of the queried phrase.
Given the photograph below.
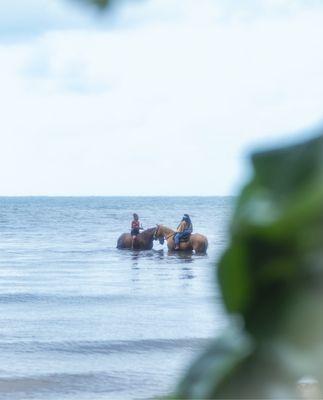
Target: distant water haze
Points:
(83, 320)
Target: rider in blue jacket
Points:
(184, 230)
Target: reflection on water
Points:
(185, 256)
(187, 273)
(181, 257)
(80, 319)
(136, 255)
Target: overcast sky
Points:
(160, 97)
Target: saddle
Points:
(185, 238)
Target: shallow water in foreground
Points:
(83, 320)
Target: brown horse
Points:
(143, 241)
(196, 242)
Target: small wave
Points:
(77, 300)
(61, 383)
(107, 347)
(9, 298)
(100, 250)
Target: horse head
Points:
(159, 234)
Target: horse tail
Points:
(205, 245)
(201, 245)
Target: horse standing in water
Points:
(143, 241)
(196, 242)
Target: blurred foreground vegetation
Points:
(271, 279)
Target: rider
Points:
(183, 231)
(135, 227)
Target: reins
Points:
(166, 237)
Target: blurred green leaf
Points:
(271, 276)
(214, 366)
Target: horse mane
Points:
(166, 227)
(148, 233)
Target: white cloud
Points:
(163, 108)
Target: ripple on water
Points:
(83, 320)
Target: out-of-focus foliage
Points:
(271, 276)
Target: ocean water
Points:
(83, 320)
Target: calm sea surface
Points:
(83, 320)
